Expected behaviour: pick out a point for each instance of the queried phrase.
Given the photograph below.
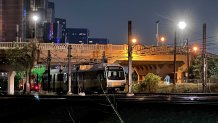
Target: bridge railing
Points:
(11, 45)
(46, 46)
(110, 47)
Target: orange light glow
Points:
(134, 40)
(195, 48)
(162, 39)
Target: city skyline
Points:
(109, 19)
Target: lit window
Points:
(90, 41)
(80, 41)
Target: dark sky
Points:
(109, 19)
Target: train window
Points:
(115, 75)
(114, 68)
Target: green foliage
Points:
(38, 71)
(196, 67)
(22, 58)
(138, 87)
(150, 84)
(212, 67)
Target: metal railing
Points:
(111, 47)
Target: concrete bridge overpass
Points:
(158, 60)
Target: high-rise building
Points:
(98, 41)
(11, 12)
(49, 25)
(39, 8)
(16, 23)
(77, 35)
(51, 12)
(81, 36)
(59, 30)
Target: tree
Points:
(39, 71)
(212, 67)
(23, 59)
(149, 84)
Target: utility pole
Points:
(69, 69)
(157, 35)
(204, 62)
(17, 32)
(174, 61)
(48, 67)
(188, 64)
(130, 57)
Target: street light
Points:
(195, 48)
(131, 41)
(134, 40)
(182, 26)
(162, 40)
(35, 19)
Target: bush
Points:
(149, 84)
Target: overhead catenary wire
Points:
(111, 104)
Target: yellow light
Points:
(134, 40)
(195, 48)
(162, 39)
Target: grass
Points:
(183, 88)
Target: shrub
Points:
(149, 84)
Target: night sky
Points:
(109, 19)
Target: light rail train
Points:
(89, 78)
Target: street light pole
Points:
(35, 19)
(35, 31)
(130, 93)
(204, 56)
(181, 26)
(69, 70)
(157, 35)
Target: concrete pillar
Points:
(157, 69)
(11, 76)
(137, 72)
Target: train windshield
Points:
(115, 73)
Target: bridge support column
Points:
(11, 76)
(158, 70)
(137, 72)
